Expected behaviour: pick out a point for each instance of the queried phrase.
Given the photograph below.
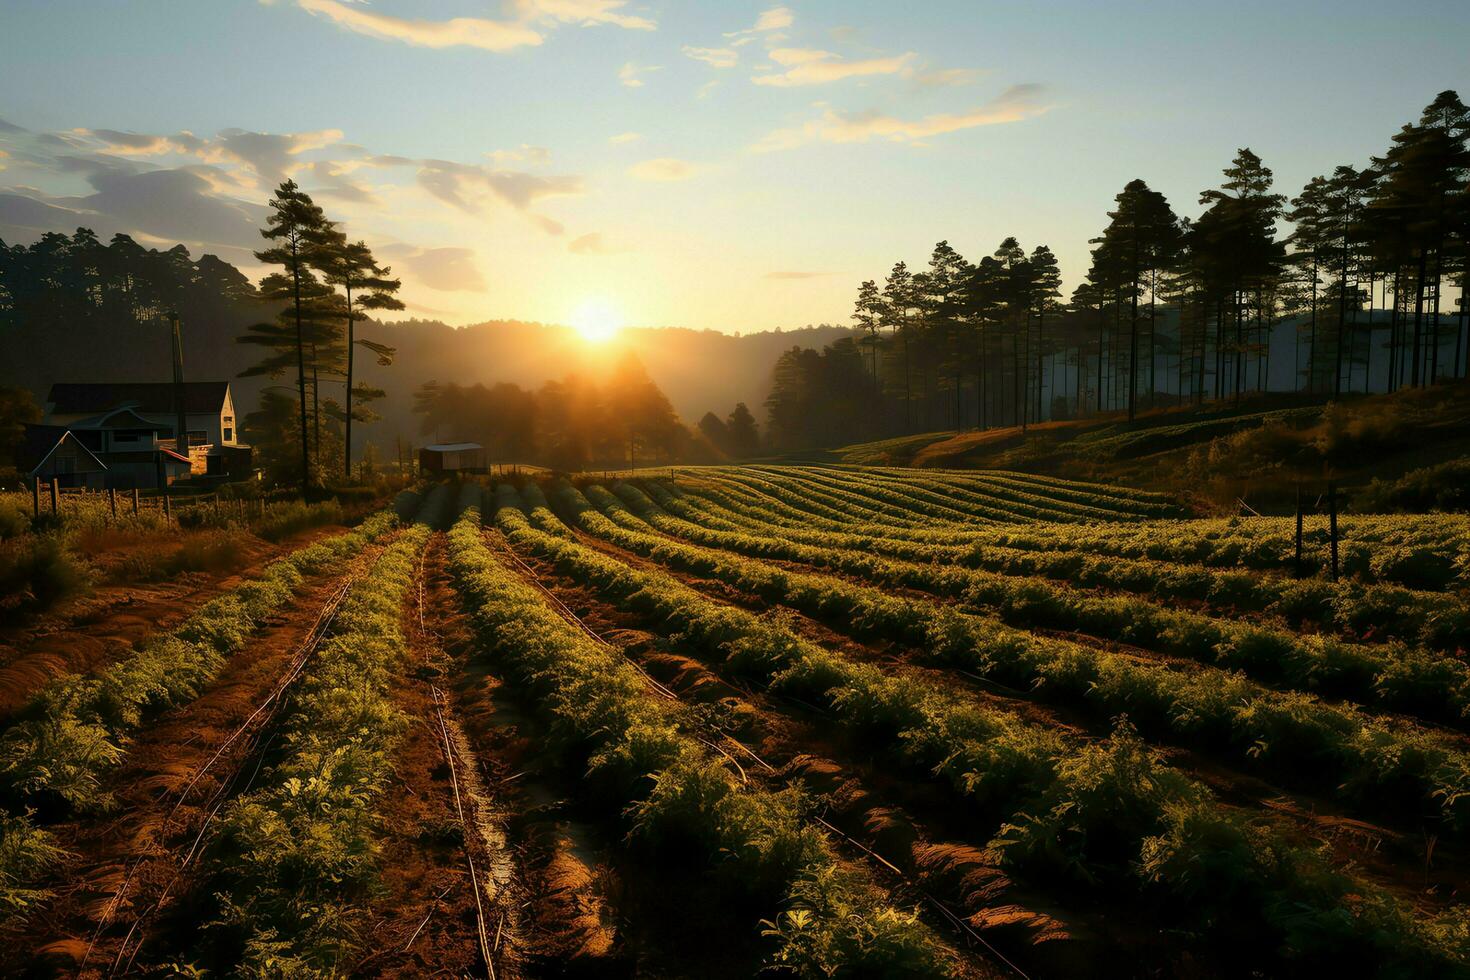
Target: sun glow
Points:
(597, 322)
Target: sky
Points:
(725, 165)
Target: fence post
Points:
(135, 501)
(1332, 524)
(55, 506)
(112, 500)
(168, 512)
(36, 497)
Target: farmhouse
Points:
(453, 457)
(129, 429)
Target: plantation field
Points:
(809, 721)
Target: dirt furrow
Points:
(1423, 870)
(112, 622)
(911, 833)
(177, 773)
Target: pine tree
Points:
(297, 227)
(367, 287)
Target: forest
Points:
(1363, 293)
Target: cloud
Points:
(797, 275)
(585, 12)
(1015, 104)
(330, 177)
(806, 66)
(10, 127)
(948, 76)
(469, 188)
(774, 19)
(443, 269)
(595, 243)
(539, 155)
(628, 74)
(663, 168)
(271, 156)
(714, 57)
(471, 32)
(625, 138)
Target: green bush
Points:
(37, 571)
(1445, 487)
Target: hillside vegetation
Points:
(1215, 458)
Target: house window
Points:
(229, 434)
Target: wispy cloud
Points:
(774, 19)
(1013, 105)
(625, 138)
(594, 243)
(525, 153)
(526, 29)
(714, 57)
(631, 74)
(663, 168)
(443, 269)
(585, 12)
(808, 66)
(470, 32)
(948, 76)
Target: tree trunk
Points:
(300, 365)
(347, 435)
(1416, 374)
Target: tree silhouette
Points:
(351, 266)
(297, 227)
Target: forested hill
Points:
(73, 308)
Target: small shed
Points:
(453, 457)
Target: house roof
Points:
(454, 447)
(200, 397)
(66, 436)
(120, 418)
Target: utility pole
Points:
(181, 422)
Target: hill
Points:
(1215, 457)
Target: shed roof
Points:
(66, 436)
(453, 447)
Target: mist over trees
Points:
(1368, 285)
(579, 423)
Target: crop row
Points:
(1423, 551)
(1437, 621)
(54, 754)
(1419, 552)
(1291, 735)
(678, 796)
(1400, 677)
(291, 859)
(1106, 816)
(894, 503)
(986, 497)
(1043, 487)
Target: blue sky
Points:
(772, 156)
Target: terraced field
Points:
(813, 721)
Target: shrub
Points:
(26, 854)
(1445, 487)
(36, 572)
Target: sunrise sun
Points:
(597, 321)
